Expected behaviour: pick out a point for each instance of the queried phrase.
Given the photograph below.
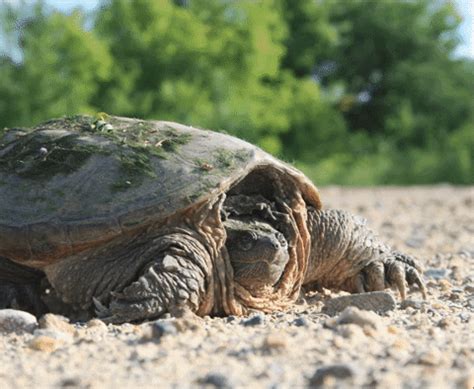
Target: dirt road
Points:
(418, 344)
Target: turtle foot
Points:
(393, 271)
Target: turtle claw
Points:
(394, 271)
(111, 314)
(100, 309)
(400, 270)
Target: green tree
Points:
(395, 59)
(58, 72)
(210, 63)
(355, 92)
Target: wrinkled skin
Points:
(345, 254)
(257, 251)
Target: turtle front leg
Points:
(164, 286)
(347, 255)
(175, 279)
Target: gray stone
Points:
(437, 274)
(337, 371)
(465, 316)
(162, 328)
(12, 320)
(379, 302)
(469, 288)
(415, 242)
(415, 304)
(253, 320)
(216, 380)
(301, 322)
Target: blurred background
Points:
(354, 92)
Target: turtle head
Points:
(258, 252)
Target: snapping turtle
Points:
(129, 219)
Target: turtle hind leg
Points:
(20, 288)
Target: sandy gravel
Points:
(419, 344)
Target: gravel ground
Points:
(417, 344)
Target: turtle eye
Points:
(247, 241)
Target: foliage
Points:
(353, 94)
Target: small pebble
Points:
(56, 322)
(301, 322)
(49, 340)
(415, 304)
(162, 328)
(353, 315)
(445, 322)
(455, 296)
(275, 341)
(44, 343)
(415, 243)
(469, 288)
(94, 329)
(12, 320)
(96, 323)
(328, 374)
(75, 382)
(465, 316)
(445, 285)
(253, 320)
(430, 358)
(216, 380)
(436, 273)
(380, 302)
(351, 331)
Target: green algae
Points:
(36, 156)
(134, 168)
(226, 159)
(133, 143)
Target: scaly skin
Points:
(347, 255)
(255, 248)
(170, 271)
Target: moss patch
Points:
(134, 167)
(38, 156)
(133, 143)
(225, 159)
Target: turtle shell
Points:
(73, 183)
